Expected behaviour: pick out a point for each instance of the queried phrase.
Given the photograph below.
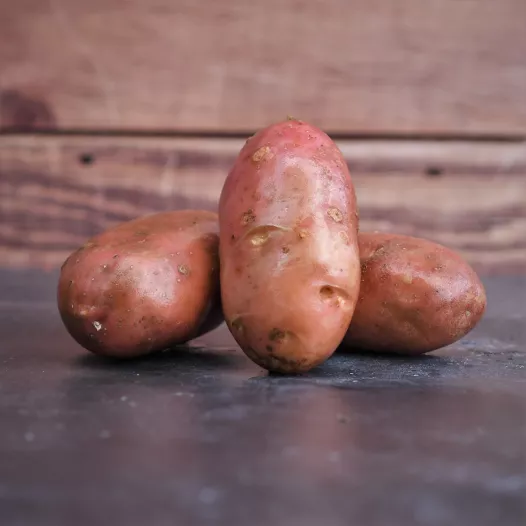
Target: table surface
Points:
(202, 436)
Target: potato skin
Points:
(415, 296)
(288, 247)
(144, 285)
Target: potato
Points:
(288, 247)
(415, 296)
(144, 285)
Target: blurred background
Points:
(111, 109)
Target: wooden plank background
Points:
(452, 67)
(57, 191)
(110, 109)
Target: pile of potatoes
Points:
(283, 262)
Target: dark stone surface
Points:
(201, 436)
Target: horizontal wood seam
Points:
(242, 134)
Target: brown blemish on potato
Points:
(335, 214)
(379, 252)
(262, 154)
(183, 269)
(259, 238)
(284, 361)
(248, 217)
(302, 234)
(280, 364)
(344, 237)
(237, 324)
(326, 292)
(277, 335)
(269, 348)
(285, 250)
(407, 279)
(259, 235)
(335, 295)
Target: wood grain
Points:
(55, 192)
(350, 66)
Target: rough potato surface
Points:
(415, 296)
(143, 286)
(288, 247)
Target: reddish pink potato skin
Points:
(288, 247)
(415, 296)
(143, 286)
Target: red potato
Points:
(143, 286)
(415, 296)
(290, 267)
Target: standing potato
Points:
(144, 285)
(288, 247)
(415, 296)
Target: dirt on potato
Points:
(288, 247)
(144, 285)
(415, 296)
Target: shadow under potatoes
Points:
(180, 357)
